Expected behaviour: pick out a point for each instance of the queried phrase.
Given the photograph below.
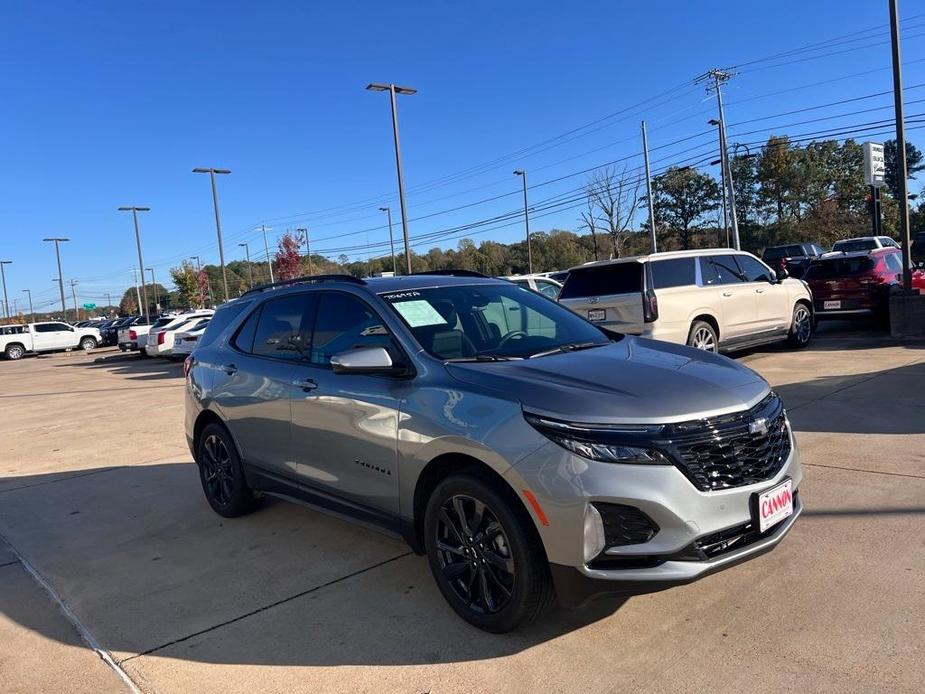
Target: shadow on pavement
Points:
(150, 569)
(132, 366)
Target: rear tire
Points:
(703, 336)
(485, 555)
(221, 473)
(14, 352)
(801, 327)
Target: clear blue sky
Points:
(113, 103)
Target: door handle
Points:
(230, 369)
(759, 291)
(727, 293)
(305, 384)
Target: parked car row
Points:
(16, 341)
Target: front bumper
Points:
(684, 517)
(576, 587)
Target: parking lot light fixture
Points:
(250, 268)
(153, 284)
(218, 221)
(393, 90)
(141, 262)
(58, 240)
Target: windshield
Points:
(855, 245)
(490, 321)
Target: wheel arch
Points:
(204, 419)
(15, 344)
(441, 467)
(707, 318)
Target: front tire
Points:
(14, 352)
(801, 327)
(88, 343)
(485, 555)
(703, 336)
(221, 473)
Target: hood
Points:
(634, 380)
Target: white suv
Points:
(712, 299)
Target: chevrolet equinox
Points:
(530, 454)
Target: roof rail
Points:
(308, 279)
(453, 273)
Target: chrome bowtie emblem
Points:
(593, 300)
(758, 426)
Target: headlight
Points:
(617, 443)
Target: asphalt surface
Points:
(112, 546)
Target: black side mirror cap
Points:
(782, 274)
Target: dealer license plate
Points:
(597, 314)
(775, 505)
(831, 305)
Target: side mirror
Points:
(362, 360)
(782, 274)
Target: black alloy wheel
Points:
(475, 554)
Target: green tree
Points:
(185, 279)
(682, 196)
(914, 164)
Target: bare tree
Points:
(589, 222)
(616, 197)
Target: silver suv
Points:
(530, 454)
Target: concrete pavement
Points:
(98, 492)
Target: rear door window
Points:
(753, 270)
(603, 280)
(677, 272)
(282, 327)
(727, 270)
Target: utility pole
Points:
(138, 293)
(58, 240)
(141, 261)
(523, 174)
(393, 90)
(6, 301)
(250, 268)
(266, 246)
(303, 236)
(218, 222)
(645, 156)
(154, 285)
(109, 303)
(73, 284)
(722, 169)
(718, 77)
(31, 311)
(902, 195)
(388, 211)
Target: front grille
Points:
(625, 525)
(727, 451)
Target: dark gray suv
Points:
(530, 454)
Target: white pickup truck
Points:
(18, 340)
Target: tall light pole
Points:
(250, 268)
(645, 156)
(73, 284)
(718, 77)
(393, 90)
(31, 310)
(388, 211)
(6, 301)
(138, 293)
(141, 261)
(523, 174)
(266, 247)
(218, 222)
(153, 284)
(902, 195)
(58, 240)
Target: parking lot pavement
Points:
(98, 492)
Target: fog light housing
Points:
(594, 538)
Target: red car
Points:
(845, 285)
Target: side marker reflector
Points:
(536, 507)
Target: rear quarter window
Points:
(604, 280)
(677, 272)
(220, 320)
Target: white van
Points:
(715, 299)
